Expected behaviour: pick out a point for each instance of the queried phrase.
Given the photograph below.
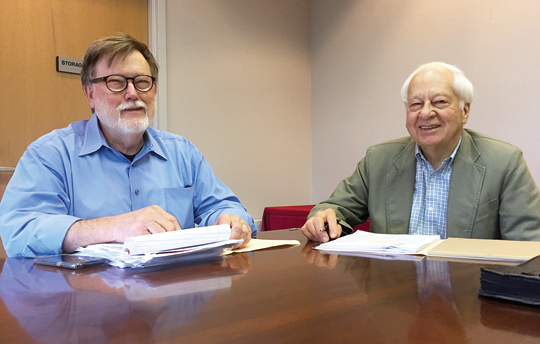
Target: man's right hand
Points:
(312, 227)
(149, 220)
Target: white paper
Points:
(118, 257)
(362, 241)
(177, 239)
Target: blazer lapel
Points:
(399, 192)
(465, 187)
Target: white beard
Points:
(113, 119)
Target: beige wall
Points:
(239, 88)
(247, 79)
(362, 51)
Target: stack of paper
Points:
(116, 255)
(179, 239)
(402, 246)
(362, 241)
(164, 248)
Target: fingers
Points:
(167, 221)
(246, 236)
(156, 220)
(312, 227)
(149, 220)
(334, 229)
(239, 228)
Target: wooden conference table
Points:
(289, 295)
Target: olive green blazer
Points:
(492, 194)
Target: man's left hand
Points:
(239, 228)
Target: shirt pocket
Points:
(180, 205)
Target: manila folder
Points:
(503, 250)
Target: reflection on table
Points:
(56, 305)
(288, 295)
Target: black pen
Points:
(324, 228)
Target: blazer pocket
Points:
(486, 224)
(180, 205)
(487, 209)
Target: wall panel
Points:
(35, 98)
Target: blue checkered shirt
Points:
(430, 198)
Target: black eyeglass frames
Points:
(118, 83)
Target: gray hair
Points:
(463, 88)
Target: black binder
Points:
(519, 283)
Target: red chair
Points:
(294, 216)
(285, 217)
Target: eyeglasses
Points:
(118, 83)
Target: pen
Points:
(324, 228)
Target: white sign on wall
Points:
(67, 65)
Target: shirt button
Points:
(136, 192)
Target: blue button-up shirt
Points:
(73, 173)
(430, 198)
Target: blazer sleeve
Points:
(350, 199)
(519, 208)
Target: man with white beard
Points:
(112, 177)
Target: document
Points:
(361, 241)
(164, 248)
(178, 239)
(117, 255)
(171, 247)
(486, 249)
(489, 251)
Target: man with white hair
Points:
(112, 177)
(443, 179)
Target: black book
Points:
(520, 283)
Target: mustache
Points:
(133, 104)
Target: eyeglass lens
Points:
(118, 83)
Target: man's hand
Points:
(312, 228)
(239, 228)
(149, 220)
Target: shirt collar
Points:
(151, 144)
(94, 140)
(93, 137)
(418, 152)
